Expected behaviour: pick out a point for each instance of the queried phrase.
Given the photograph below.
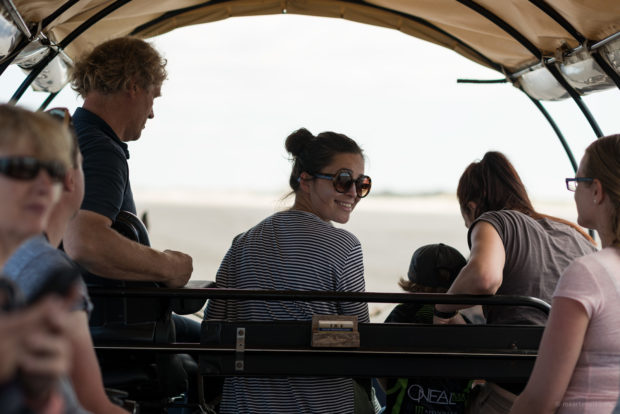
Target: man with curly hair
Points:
(119, 81)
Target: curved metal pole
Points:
(47, 101)
(576, 97)
(57, 13)
(555, 127)
(63, 44)
(534, 50)
(557, 131)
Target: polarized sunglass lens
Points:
(343, 181)
(362, 185)
(22, 168)
(56, 171)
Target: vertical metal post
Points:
(557, 131)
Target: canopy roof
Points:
(550, 49)
(455, 24)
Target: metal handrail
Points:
(279, 295)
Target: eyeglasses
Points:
(27, 168)
(571, 183)
(343, 179)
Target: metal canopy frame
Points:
(513, 32)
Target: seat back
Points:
(145, 317)
(146, 320)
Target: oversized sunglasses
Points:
(27, 168)
(343, 179)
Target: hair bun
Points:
(297, 141)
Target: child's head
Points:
(433, 268)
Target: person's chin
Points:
(342, 218)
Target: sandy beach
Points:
(390, 228)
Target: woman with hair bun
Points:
(578, 364)
(299, 249)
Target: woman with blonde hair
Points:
(578, 365)
(34, 157)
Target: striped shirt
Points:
(290, 250)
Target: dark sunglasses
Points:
(27, 168)
(61, 114)
(343, 179)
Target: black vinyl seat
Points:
(150, 377)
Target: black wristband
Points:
(444, 315)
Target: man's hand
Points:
(455, 320)
(180, 268)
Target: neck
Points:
(302, 203)
(110, 109)
(607, 238)
(57, 224)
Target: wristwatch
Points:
(444, 315)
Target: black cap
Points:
(427, 260)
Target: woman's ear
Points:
(305, 181)
(597, 191)
(471, 208)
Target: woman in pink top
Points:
(578, 366)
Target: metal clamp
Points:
(240, 349)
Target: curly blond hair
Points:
(113, 65)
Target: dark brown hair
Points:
(493, 184)
(311, 154)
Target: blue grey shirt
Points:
(36, 260)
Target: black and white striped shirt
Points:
(290, 250)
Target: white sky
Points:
(238, 87)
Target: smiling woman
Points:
(299, 249)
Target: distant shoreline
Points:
(430, 203)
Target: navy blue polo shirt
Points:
(106, 172)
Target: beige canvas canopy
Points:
(512, 36)
(445, 22)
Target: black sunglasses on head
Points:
(27, 168)
(343, 179)
(61, 114)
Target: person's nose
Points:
(44, 181)
(352, 191)
(151, 114)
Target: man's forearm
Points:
(104, 252)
